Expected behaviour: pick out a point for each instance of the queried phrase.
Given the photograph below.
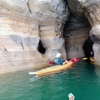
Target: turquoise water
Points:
(83, 80)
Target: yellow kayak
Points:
(91, 59)
(84, 58)
(55, 69)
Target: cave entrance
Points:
(88, 48)
(41, 48)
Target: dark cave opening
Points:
(88, 48)
(41, 48)
(73, 29)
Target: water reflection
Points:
(83, 80)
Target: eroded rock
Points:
(23, 23)
(89, 9)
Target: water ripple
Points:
(83, 80)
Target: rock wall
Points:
(75, 33)
(92, 13)
(23, 23)
(89, 9)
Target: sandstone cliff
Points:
(27, 26)
(23, 23)
(89, 9)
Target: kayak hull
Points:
(54, 69)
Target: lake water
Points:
(83, 80)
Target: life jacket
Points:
(56, 61)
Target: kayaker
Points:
(58, 60)
(71, 96)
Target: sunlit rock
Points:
(23, 23)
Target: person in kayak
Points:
(58, 60)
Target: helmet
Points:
(58, 55)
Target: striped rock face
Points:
(89, 9)
(23, 23)
(92, 14)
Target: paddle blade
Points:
(32, 72)
(75, 60)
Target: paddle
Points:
(32, 73)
